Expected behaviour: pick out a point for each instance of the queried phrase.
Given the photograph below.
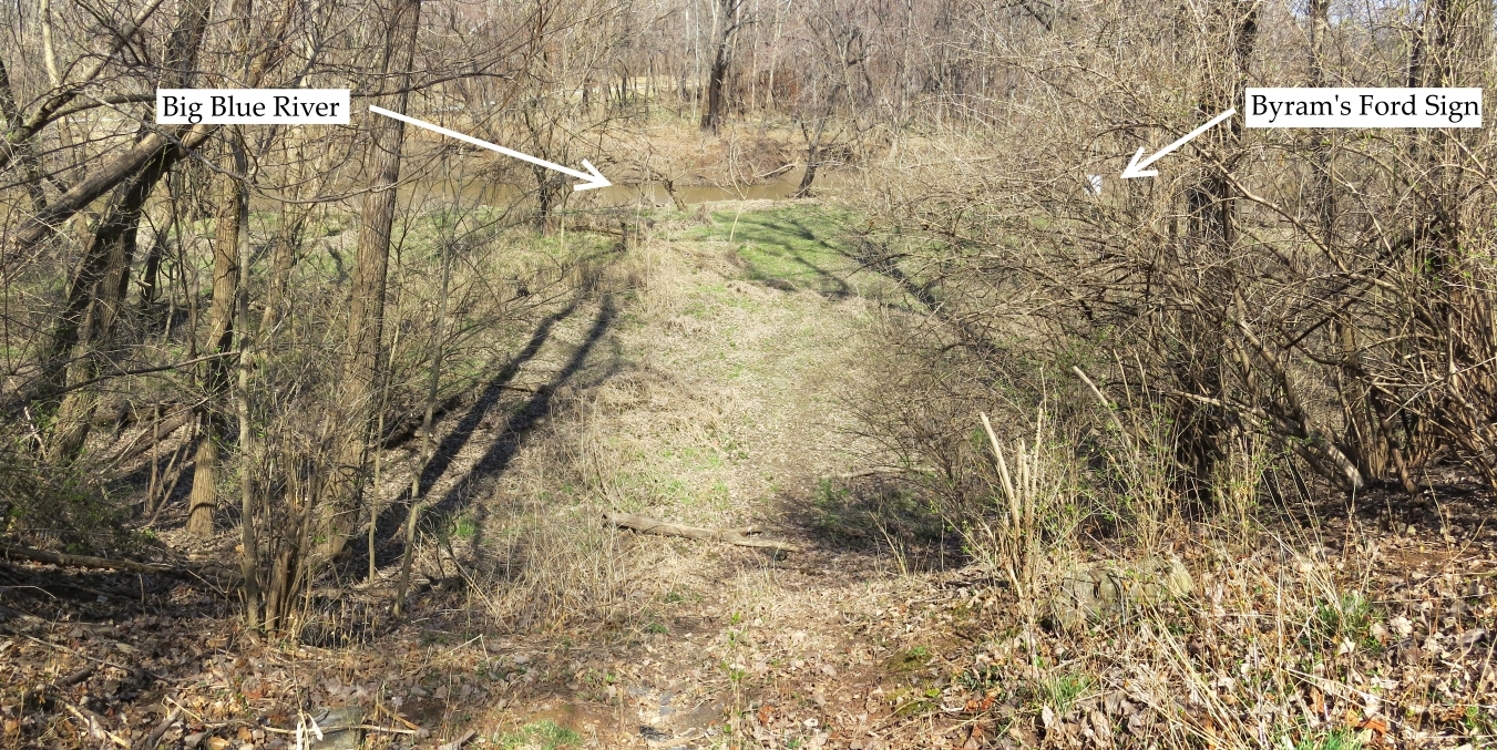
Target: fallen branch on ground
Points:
(152, 434)
(89, 561)
(739, 536)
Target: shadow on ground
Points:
(877, 515)
(522, 418)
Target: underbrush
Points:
(1262, 629)
(556, 570)
(1127, 612)
(66, 509)
(1280, 643)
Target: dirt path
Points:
(711, 376)
(722, 394)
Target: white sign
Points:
(1362, 108)
(252, 106)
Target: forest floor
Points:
(714, 375)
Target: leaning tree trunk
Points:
(813, 158)
(84, 333)
(82, 338)
(360, 378)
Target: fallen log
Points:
(740, 536)
(88, 561)
(157, 432)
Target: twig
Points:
(89, 561)
(459, 742)
(54, 392)
(1106, 404)
(739, 536)
(156, 734)
(329, 730)
(75, 678)
(95, 723)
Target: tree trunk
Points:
(83, 335)
(360, 380)
(249, 542)
(428, 437)
(147, 150)
(813, 159)
(96, 296)
(1210, 207)
(232, 219)
(726, 17)
(25, 151)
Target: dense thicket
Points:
(1320, 299)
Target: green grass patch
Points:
(1336, 739)
(910, 659)
(1349, 617)
(1061, 691)
(799, 246)
(540, 735)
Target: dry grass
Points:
(1298, 634)
(1296, 631)
(707, 401)
(712, 399)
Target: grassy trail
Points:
(721, 392)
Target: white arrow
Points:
(1139, 169)
(593, 178)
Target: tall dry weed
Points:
(1038, 508)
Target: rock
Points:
(702, 718)
(339, 728)
(1408, 654)
(1158, 580)
(1090, 594)
(1178, 581)
(1097, 592)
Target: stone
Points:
(1097, 592)
(1178, 582)
(339, 728)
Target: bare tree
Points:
(726, 21)
(96, 300)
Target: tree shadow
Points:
(875, 515)
(517, 429)
(872, 256)
(507, 443)
(453, 442)
(790, 240)
(876, 258)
